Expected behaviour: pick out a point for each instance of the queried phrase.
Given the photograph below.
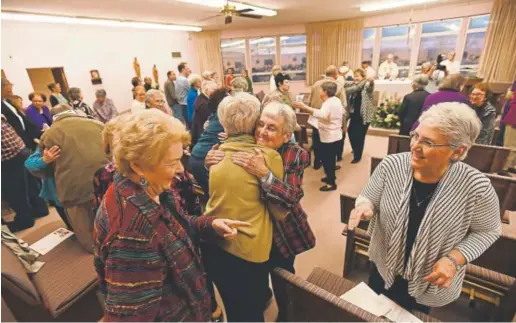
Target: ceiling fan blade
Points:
(210, 18)
(250, 16)
(245, 10)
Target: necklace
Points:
(418, 202)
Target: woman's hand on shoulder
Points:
(228, 229)
(361, 212)
(214, 156)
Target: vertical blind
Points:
(207, 45)
(498, 63)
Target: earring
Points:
(143, 181)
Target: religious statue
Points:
(155, 74)
(136, 67)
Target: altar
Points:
(392, 89)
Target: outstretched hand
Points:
(228, 229)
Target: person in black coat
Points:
(23, 127)
(20, 189)
(412, 104)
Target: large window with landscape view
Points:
(233, 54)
(464, 35)
(293, 56)
(259, 55)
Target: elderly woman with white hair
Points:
(412, 104)
(238, 85)
(293, 235)
(155, 99)
(104, 107)
(195, 82)
(239, 267)
(434, 217)
(77, 103)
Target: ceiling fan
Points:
(229, 11)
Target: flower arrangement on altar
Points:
(387, 114)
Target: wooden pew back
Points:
(487, 159)
(505, 188)
(309, 303)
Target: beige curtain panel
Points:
(498, 60)
(207, 45)
(331, 43)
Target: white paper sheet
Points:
(364, 297)
(50, 241)
(397, 313)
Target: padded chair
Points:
(62, 289)
(318, 299)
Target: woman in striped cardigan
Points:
(430, 213)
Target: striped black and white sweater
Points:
(463, 214)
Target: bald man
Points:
(388, 70)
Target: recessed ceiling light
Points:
(93, 22)
(391, 4)
(238, 6)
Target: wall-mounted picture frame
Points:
(95, 77)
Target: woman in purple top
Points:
(38, 113)
(449, 91)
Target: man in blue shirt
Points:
(182, 88)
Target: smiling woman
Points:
(445, 215)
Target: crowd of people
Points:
(129, 192)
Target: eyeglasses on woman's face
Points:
(425, 143)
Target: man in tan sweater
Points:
(316, 103)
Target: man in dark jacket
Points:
(26, 130)
(412, 104)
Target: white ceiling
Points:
(174, 12)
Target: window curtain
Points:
(498, 63)
(207, 46)
(331, 43)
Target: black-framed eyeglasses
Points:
(414, 137)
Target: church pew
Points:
(317, 299)
(487, 159)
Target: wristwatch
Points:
(267, 179)
(457, 266)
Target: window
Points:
(438, 37)
(233, 54)
(263, 57)
(475, 37)
(367, 48)
(395, 40)
(293, 56)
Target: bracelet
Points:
(453, 261)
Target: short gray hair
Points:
(239, 84)
(453, 82)
(420, 81)
(208, 85)
(74, 93)
(151, 94)
(60, 108)
(330, 88)
(194, 78)
(456, 121)
(238, 114)
(100, 93)
(278, 109)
